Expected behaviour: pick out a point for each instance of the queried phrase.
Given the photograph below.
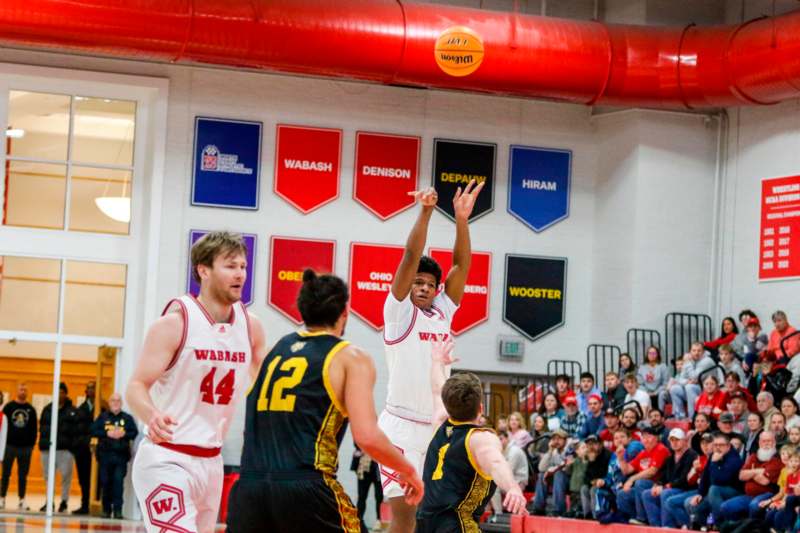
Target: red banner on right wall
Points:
(779, 237)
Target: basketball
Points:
(459, 51)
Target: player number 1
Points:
(438, 473)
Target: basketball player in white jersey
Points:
(415, 314)
(197, 362)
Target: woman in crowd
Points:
(755, 425)
(712, 401)
(789, 410)
(551, 411)
(626, 365)
(794, 436)
(653, 377)
(726, 336)
(517, 432)
(701, 425)
(539, 445)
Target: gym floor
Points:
(30, 522)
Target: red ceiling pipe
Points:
(391, 41)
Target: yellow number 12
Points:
(278, 401)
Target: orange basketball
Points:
(459, 51)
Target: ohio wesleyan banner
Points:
(534, 294)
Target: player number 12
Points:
(280, 401)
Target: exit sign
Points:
(510, 347)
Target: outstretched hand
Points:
(463, 203)
(426, 197)
(442, 352)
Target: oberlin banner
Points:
(534, 295)
(227, 158)
(192, 287)
(307, 162)
(779, 237)
(538, 191)
(387, 169)
(372, 268)
(455, 163)
(289, 257)
(474, 308)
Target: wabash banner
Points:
(372, 268)
(538, 190)
(192, 287)
(455, 163)
(534, 296)
(779, 238)
(474, 308)
(307, 162)
(289, 257)
(387, 168)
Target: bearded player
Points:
(415, 314)
(196, 363)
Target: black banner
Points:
(455, 163)
(535, 294)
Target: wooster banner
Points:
(474, 308)
(539, 182)
(372, 268)
(535, 294)
(387, 169)
(192, 287)
(455, 163)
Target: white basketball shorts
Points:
(412, 439)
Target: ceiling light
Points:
(15, 133)
(115, 207)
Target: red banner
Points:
(779, 256)
(372, 268)
(474, 308)
(307, 162)
(288, 258)
(386, 170)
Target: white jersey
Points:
(208, 375)
(407, 336)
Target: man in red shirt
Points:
(760, 475)
(563, 390)
(782, 329)
(643, 472)
(612, 424)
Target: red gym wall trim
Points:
(392, 42)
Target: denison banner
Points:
(227, 158)
(387, 169)
(372, 268)
(192, 287)
(539, 180)
(455, 163)
(307, 162)
(289, 257)
(535, 294)
(474, 308)
(779, 237)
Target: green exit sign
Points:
(511, 347)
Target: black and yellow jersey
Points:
(455, 488)
(293, 421)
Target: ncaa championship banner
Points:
(534, 295)
(307, 163)
(387, 169)
(455, 163)
(372, 268)
(192, 287)
(539, 180)
(474, 308)
(289, 257)
(227, 158)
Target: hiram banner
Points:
(474, 308)
(455, 163)
(539, 182)
(227, 158)
(386, 170)
(307, 163)
(779, 237)
(192, 287)
(372, 268)
(535, 294)
(289, 257)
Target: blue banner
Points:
(227, 158)
(538, 188)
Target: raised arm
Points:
(415, 245)
(441, 358)
(463, 203)
(485, 447)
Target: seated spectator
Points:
(782, 329)
(635, 394)
(674, 481)
(587, 389)
(655, 421)
(615, 392)
(576, 470)
(782, 508)
(502, 424)
(612, 422)
(595, 421)
(794, 436)
(720, 482)
(630, 421)
(701, 425)
(604, 490)
(728, 333)
(626, 365)
(596, 469)
(644, 471)
(777, 425)
(733, 385)
(754, 342)
(675, 506)
(755, 425)
(551, 474)
(745, 315)
(725, 425)
(653, 376)
(728, 361)
(759, 474)
(539, 445)
(770, 376)
(712, 401)
(551, 411)
(683, 394)
(517, 431)
(573, 419)
(789, 409)
(563, 388)
(766, 406)
(737, 408)
(519, 468)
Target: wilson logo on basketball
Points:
(459, 51)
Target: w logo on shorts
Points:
(165, 507)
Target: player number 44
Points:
(223, 391)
